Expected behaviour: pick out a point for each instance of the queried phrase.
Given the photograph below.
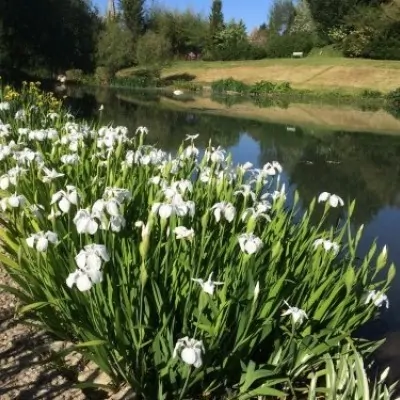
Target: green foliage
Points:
(303, 20)
(143, 78)
(216, 18)
(265, 87)
(102, 75)
(394, 97)
(284, 46)
(28, 40)
(281, 17)
(74, 75)
(153, 50)
(385, 45)
(186, 31)
(216, 25)
(371, 94)
(115, 48)
(148, 288)
(229, 85)
(231, 43)
(329, 14)
(133, 15)
(343, 376)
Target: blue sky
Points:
(253, 12)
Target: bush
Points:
(265, 87)
(256, 52)
(371, 94)
(385, 45)
(393, 103)
(284, 46)
(229, 85)
(74, 75)
(169, 272)
(102, 75)
(394, 97)
(153, 50)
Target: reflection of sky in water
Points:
(247, 149)
(385, 227)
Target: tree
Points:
(303, 21)
(216, 18)
(231, 43)
(281, 16)
(153, 50)
(187, 31)
(115, 48)
(61, 35)
(330, 14)
(258, 37)
(133, 13)
(216, 26)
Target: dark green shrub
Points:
(102, 75)
(284, 46)
(74, 75)
(230, 84)
(266, 87)
(256, 52)
(115, 48)
(385, 45)
(393, 98)
(262, 87)
(371, 94)
(283, 87)
(153, 50)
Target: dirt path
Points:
(24, 372)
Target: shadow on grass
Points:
(170, 79)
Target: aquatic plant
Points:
(183, 277)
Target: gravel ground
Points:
(24, 373)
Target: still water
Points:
(356, 156)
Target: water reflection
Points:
(360, 165)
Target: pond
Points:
(351, 152)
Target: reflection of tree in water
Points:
(368, 170)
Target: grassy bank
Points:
(314, 73)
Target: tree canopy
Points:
(51, 33)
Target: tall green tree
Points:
(115, 48)
(303, 21)
(216, 18)
(48, 33)
(232, 42)
(281, 16)
(134, 16)
(186, 31)
(329, 14)
(216, 26)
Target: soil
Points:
(26, 373)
